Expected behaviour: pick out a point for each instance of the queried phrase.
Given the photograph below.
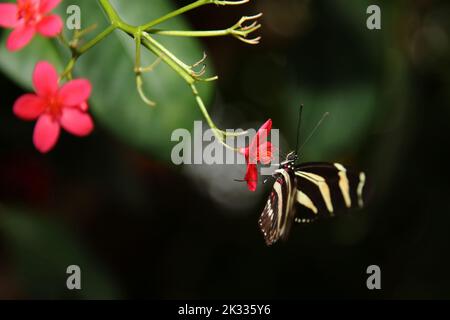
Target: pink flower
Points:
(259, 151)
(55, 107)
(28, 17)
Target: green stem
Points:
(159, 50)
(115, 19)
(110, 11)
(138, 71)
(219, 134)
(76, 53)
(63, 40)
(137, 63)
(203, 107)
(182, 33)
(67, 73)
(175, 13)
(97, 39)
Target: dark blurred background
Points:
(140, 227)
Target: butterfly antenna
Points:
(326, 114)
(298, 127)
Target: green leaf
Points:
(41, 250)
(115, 102)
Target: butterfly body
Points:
(307, 192)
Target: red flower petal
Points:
(76, 122)
(75, 92)
(46, 133)
(48, 5)
(251, 176)
(263, 132)
(8, 15)
(20, 37)
(45, 79)
(260, 137)
(50, 26)
(267, 125)
(29, 107)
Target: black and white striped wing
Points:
(278, 214)
(325, 189)
(309, 192)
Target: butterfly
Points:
(306, 192)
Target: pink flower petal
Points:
(75, 92)
(20, 37)
(260, 137)
(50, 26)
(84, 106)
(29, 107)
(48, 5)
(8, 15)
(263, 132)
(76, 122)
(46, 133)
(243, 151)
(246, 153)
(265, 153)
(251, 177)
(45, 79)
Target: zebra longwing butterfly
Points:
(307, 192)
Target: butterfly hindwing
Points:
(325, 189)
(308, 192)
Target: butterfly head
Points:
(291, 158)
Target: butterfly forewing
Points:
(277, 216)
(268, 222)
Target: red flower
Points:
(259, 151)
(54, 107)
(28, 17)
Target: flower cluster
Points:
(56, 104)
(27, 18)
(53, 105)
